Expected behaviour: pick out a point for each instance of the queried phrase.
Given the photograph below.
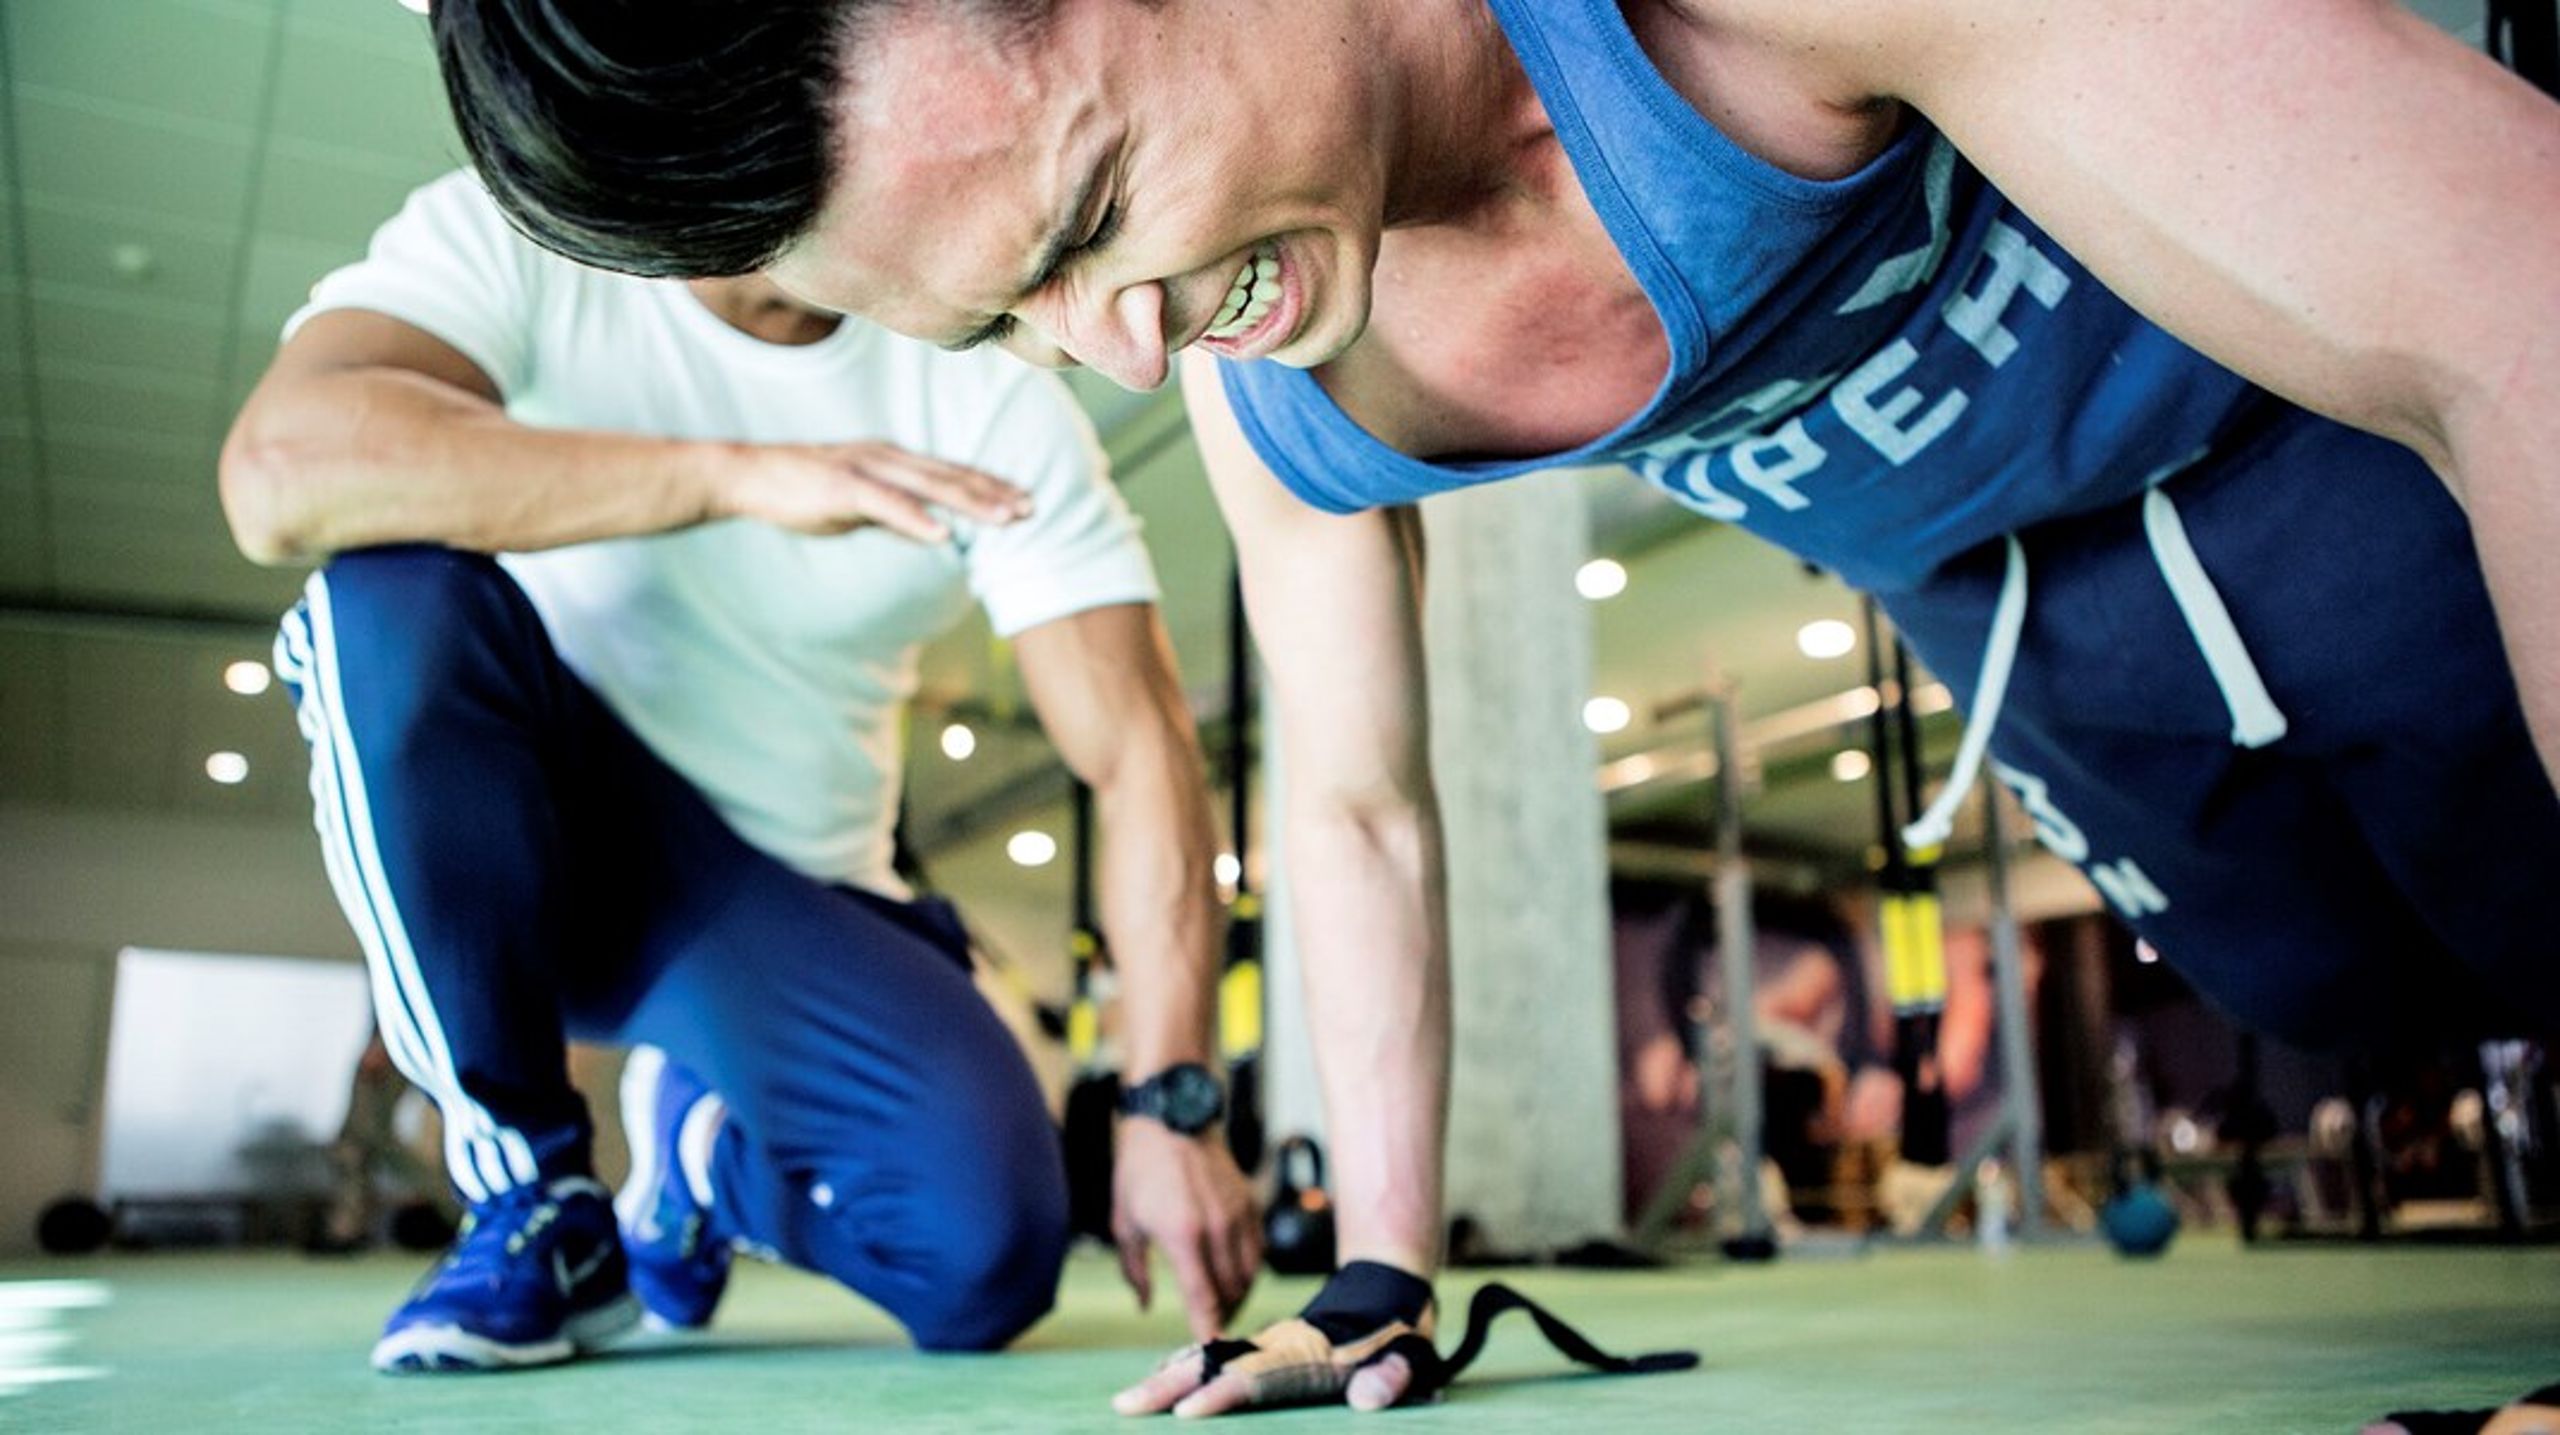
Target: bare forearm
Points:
(1373, 940)
(376, 455)
(1159, 905)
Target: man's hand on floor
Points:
(1292, 1364)
(1185, 1195)
(1349, 1344)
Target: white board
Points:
(211, 1055)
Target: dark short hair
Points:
(674, 138)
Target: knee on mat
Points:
(992, 1284)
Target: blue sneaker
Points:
(679, 1266)
(537, 1276)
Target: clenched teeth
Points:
(1251, 296)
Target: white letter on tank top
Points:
(2129, 888)
(1909, 270)
(1771, 464)
(1684, 477)
(2060, 835)
(1743, 415)
(2008, 263)
(1882, 424)
(1678, 464)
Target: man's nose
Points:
(1122, 337)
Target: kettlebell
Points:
(2140, 1221)
(1297, 1230)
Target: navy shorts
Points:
(2383, 868)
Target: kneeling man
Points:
(604, 677)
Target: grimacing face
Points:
(1129, 181)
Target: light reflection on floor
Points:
(35, 1333)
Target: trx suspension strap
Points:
(1911, 921)
(1240, 1003)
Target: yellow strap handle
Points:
(1915, 951)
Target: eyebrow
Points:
(1045, 267)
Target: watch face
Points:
(1191, 1098)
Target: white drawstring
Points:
(2255, 719)
(1983, 713)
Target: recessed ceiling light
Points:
(247, 677)
(1629, 771)
(1601, 578)
(1030, 848)
(1826, 638)
(1605, 715)
(227, 768)
(1851, 764)
(958, 742)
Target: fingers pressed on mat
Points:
(1231, 1391)
(1177, 1377)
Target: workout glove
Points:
(1369, 1312)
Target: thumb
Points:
(1375, 1387)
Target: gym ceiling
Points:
(174, 173)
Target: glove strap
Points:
(1492, 1301)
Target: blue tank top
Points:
(1878, 372)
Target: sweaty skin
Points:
(1440, 270)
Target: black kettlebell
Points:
(1297, 1231)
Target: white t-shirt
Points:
(769, 668)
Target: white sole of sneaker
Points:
(639, 1097)
(441, 1349)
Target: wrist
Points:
(1153, 1134)
(714, 477)
(1411, 1258)
(1365, 1295)
(1185, 1098)
(1140, 1069)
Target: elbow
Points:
(2492, 420)
(256, 475)
(1353, 772)
(1369, 834)
(1376, 801)
(1145, 743)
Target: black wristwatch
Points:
(1183, 1097)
